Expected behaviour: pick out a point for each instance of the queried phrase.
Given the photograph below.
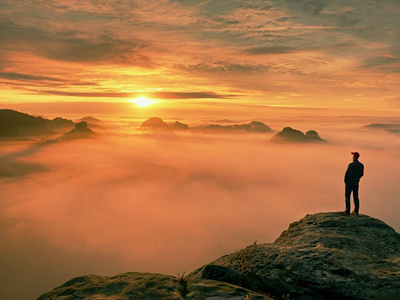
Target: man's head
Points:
(356, 155)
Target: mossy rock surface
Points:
(322, 256)
(147, 286)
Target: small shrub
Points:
(183, 281)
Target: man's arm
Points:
(348, 173)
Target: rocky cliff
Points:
(322, 256)
(145, 286)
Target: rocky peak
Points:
(322, 256)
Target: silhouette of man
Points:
(354, 172)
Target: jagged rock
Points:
(289, 134)
(322, 256)
(138, 286)
(81, 130)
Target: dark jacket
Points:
(354, 172)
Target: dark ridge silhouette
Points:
(289, 134)
(14, 124)
(156, 123)
(322, 256)
(92, 122)
(179, 126)
(80, 131)
(254, 126)
(223, 121)
(61, 123)
(393, 128)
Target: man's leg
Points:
(347, 197)
(356, 199)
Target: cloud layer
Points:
(333, 53)
(170, 202)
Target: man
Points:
(354, 172)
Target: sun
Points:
(143, 101)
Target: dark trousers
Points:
(352, 187)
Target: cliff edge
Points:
(322, 256)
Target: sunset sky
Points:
(343, 55)
(134, 200)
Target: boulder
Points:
(146, 286)
(322, 256)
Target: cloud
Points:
(20, 79)
(160, 95)
(15, 169)
(327, 51)
(225, 68)
(71, 46)
(19, 76)
(287, 49)
(272, 50)
(170, 202)
(384, 63)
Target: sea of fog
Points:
(169, 202)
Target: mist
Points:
(169, 202)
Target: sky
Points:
(170, 202)
(340, 55)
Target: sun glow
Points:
(142, 101)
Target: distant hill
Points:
(61, 123)
(154, 123)
(393, 128)
(289, 134)
(90, 120)
(14, 124)
(158, 124)
(254, 126)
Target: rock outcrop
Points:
(80, 131)
(289, 134)
(145, 286)
(322, 256)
